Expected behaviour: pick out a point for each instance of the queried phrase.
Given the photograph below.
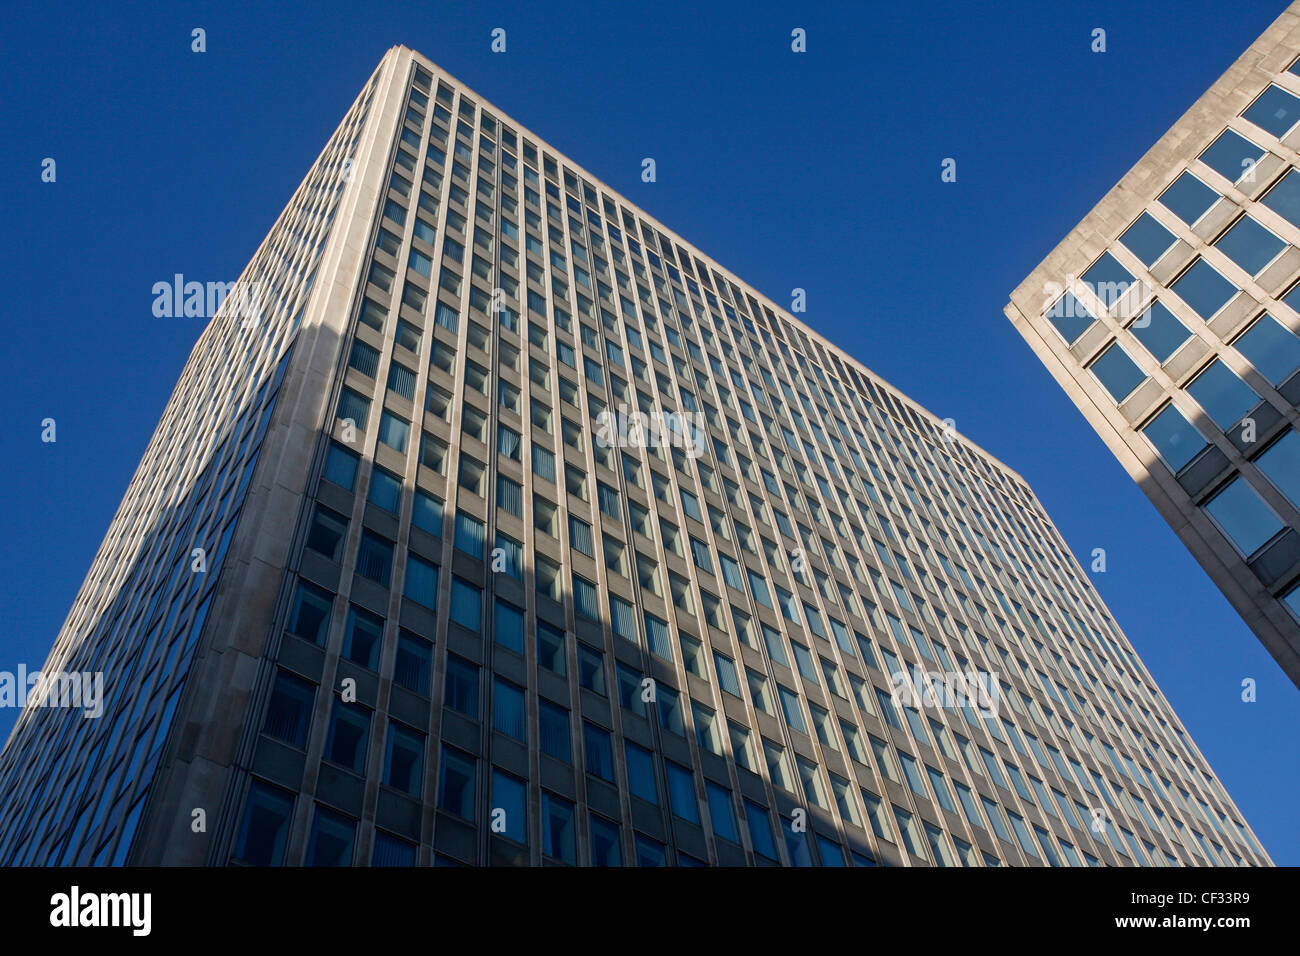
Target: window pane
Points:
(1231, 155)
(1117, 373)
(1108, 280)
(1202, 288)
(1224, 397)
(1250, 245)
(1159, 332)
(1243, 516)
(1070, 317)
(1147, 239)
(1276, 110)
(1281, 463)
(1272, 348)
(1174, 438)
(1284, 198)
(1188, 198)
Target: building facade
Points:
(566, 546)
(1171, 317)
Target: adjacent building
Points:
(1171, 317)
(513, 529)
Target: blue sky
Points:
(818, 170)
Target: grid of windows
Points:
(1183, 335)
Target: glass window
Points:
(466, 604)
(1108, 280)
(288, 716)
(508, 626)
(721, 812)
(421, 584)
(1276, 110)
(1281, 464)
(605, 844)
(364, 637)
(1147, 239)
(1188, 198)
(509, 806)
(553, 726)
(1202, 288)
(1117, 373)
(375, 558)
(557, 828)
(328, 529)
(1284, 198)
(1243, 516)
(641, 773)
(1231, 155)
(1174, 438)
(311, 613)
(348, 735)
(1250, 245)
(1224, 396)
(1159, 332)
(598, 751)
(413, 663)
(385, 490)
(508, 709)
(1272, 348)
(681, 792)
(760, 830)
(1070, 317)
(462, 686)
(332, 836)
(404, 759)
(340, 466)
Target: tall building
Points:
(1170, 315)
(566, 545)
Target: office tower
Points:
(1170, 315)
(566, 545)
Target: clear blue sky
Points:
(819, 171)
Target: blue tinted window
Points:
(1117, 373)
(1188, 198)
(456, 783)
(509, 626)
(641, 773)
(1244, 518)
(421, 584)
(508, 709)
(1276, 110)
(1271, 348)
(1174, 438)
(340, 466)
(1159, 332)
(1147, 239)
(1224, 397)
(1250, 245)
(1107, 279)
(721, 812)
(508, 795)
(1281, 463)
(681, 792)
(427, 513)
(1231, 155)
(385, 489)
(465, 604)
(1204, 289)
(1284, 198)
(760, 830)
(1070, 317)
